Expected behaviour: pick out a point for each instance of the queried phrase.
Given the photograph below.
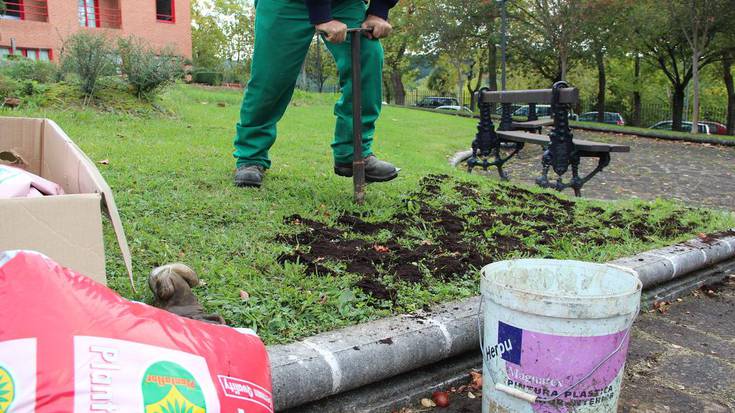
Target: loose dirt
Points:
(444, 237)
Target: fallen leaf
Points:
(427, 403)
(104, 162)
(471, 395)
(476, 380)
(381, 249)
(244, 295)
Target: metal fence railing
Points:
(651, 113)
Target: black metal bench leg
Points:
(543, 180)
(506, 118)
(532, 112)
(576, 182)
(499, 164)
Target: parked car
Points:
(685, 126)
(436, 101)
(456, 108)
(499, 109)
(542, 111)
(715, 127)
(612, 118)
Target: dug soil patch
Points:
(449, 228)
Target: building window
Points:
(165, 11)
(32, 10)
(14, 10)
(29, 52)
(88, 13)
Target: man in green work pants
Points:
(283, 32)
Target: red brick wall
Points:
(138, 18)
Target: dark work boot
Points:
(375, 170)
(249, 175)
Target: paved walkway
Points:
(681, 359)
(702, 174)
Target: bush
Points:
(28, 69)
(8, 87)
(145, 71)
(207, 77)
(88, 55)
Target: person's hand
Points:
(334, 31)
(381, 28)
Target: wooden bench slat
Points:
(566, 95)
(533, 123)
(589, 146)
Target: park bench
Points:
(561, 150)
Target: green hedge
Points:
(207, 77)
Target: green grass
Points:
(171, 175)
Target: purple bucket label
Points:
(546, 365)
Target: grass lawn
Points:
(421, 238)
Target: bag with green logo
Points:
(69, 344)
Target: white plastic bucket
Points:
(556, 335)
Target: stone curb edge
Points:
(337, 361)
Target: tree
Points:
(319, 65)
(547, 35)
(237, 20)
(697, 20)
(207, 38)
(404, 20)
(440, 79)
(603, 27)
(660, 39)
(463, 30)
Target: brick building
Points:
(37, 28)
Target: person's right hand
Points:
(334, 31)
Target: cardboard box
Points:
(67, 228)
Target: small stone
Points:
(427, 403)
(471, 395)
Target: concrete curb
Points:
(341, 360)
(654, 135)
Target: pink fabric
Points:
(17, 183)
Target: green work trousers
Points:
(283, 34)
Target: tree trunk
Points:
(695, 98)
(727, 61)
(492, 66)
(677, 107)
(399, 91)
(563, 65)
(319, 68)
(601, 84)
(478, 85)
(460, 84)
(637, 93)
(387, 89)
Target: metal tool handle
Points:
(351, 30)
(358, 163)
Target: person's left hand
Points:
(381, 28)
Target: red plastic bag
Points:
(69, 344)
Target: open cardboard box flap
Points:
(40, 146)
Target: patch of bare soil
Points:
(531, 220)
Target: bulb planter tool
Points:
(358, 163)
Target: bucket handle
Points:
(532, 398)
